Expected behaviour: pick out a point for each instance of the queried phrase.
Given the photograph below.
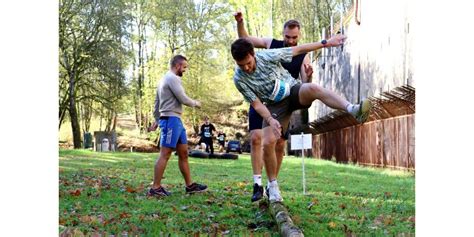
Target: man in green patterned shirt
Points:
(275, 94)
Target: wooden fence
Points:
(385, 143)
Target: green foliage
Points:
(117, 51)
(105, 192)
(92, 57)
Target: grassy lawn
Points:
(106, 193)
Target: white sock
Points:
(352, 108)
(257, 179)
(272, 183)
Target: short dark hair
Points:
(292, 24)
(177, 59)
(241, 48)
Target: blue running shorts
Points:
(172, 132)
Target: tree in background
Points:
(114, 53)
(91, 36)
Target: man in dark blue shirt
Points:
(206, 134)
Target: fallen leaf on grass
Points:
(332, 224)
(210, 201)
(388, 220)
(76, 192)
(106, 222)
(296, 219)
(85, 219)
(130, 189)
(175, 209)
(313, 202)
(241, 184)
(124, 215)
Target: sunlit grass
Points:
(340, 198)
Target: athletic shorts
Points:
(282, 110)
(255, 120)
(172, 132)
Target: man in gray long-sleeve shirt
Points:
(170, 96)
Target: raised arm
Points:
(334, 41)
(256, 41)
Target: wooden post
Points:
(283, 220)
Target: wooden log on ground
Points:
(283, 220)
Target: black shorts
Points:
(222, 143)
(282, 110)
(255, 120)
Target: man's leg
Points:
(256, 152)
(279, 152)
(160, 166)
(183, 163)
(310, 92)
(270, 160)
(211, 145)
(206, 141)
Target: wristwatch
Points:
(324, 42)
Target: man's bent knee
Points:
(256, 138)
(280, 145)
(314, 89)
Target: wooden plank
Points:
(403, 141)
(379, 132)
(387, 141)
(396, 142)
(359, 143)
(411, 141)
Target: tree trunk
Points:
(283, 220)
(62, 109)
(140, 77)
(114, 122)
(76, 128)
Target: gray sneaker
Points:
(364, 109)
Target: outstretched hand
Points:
(238, 16)
(336, 40)
(198, 104)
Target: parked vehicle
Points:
(234, 146)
